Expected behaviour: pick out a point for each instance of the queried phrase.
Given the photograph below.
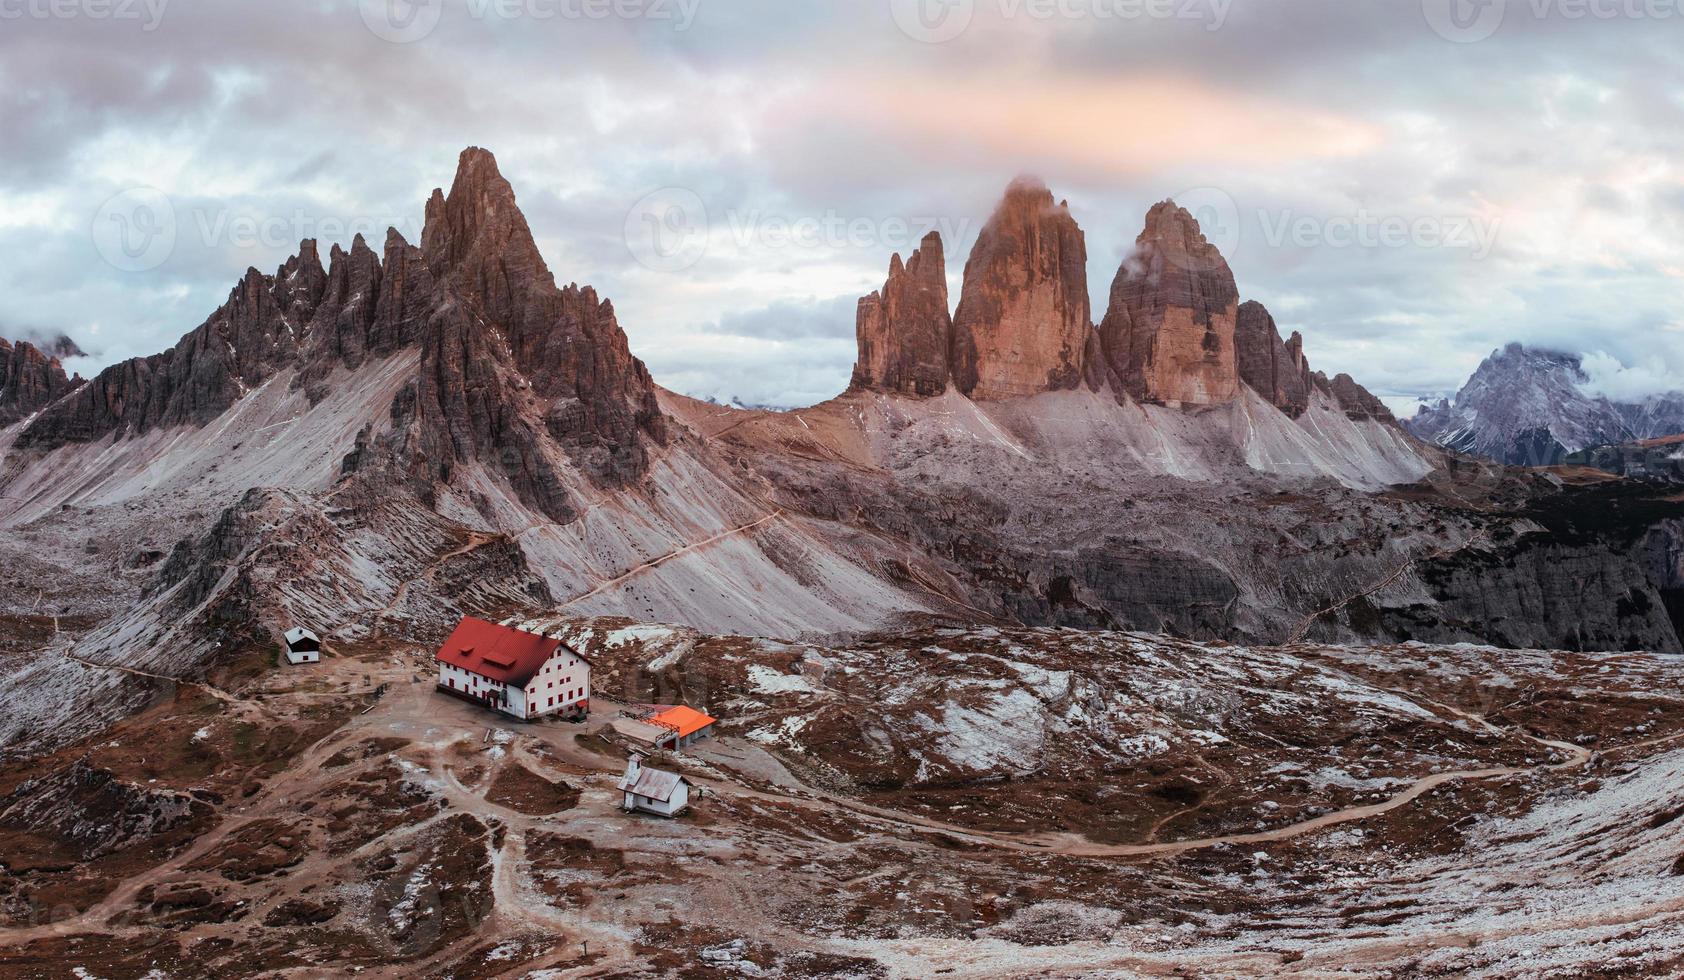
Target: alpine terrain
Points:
(1069, 640)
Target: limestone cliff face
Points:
(1024, 325)
(1273, 368)
(1174, 334)
(905, 330)
(1169, 332)
(340, 331)
(30, 380)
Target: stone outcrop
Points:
(30, 380)
(1174, 334)
(1273, 368)
(340, 331)
(1024, 325)
(1168, 334)
(1279, 371)
(1356, 401)
(905, 330)
(467, 404)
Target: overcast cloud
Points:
(1408, 189)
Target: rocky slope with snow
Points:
(378, 444)
(968, 802)
(1530, 407)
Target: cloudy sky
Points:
(1411, 183)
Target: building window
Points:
(453, 683)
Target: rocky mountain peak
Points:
(904, 329)
(1530, 406)
(298, 286)
(1024, 325)
(477, 239)
(1174, 230)
(1279, 371)
(1168, 334)
(30, 379)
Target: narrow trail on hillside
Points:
(1303, 628)
(1074, 845)
(669, 556)
(476, 540)
(215, 692)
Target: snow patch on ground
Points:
(765, 680)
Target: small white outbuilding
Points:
(665, 794)
(302, 646)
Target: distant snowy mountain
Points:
(1529, 407)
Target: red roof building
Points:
(521, 674)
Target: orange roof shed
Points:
(684, 720)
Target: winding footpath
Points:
(1075, 845)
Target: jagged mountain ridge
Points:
(479, 303)
(1529, 407)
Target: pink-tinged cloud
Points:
(1075, 125)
